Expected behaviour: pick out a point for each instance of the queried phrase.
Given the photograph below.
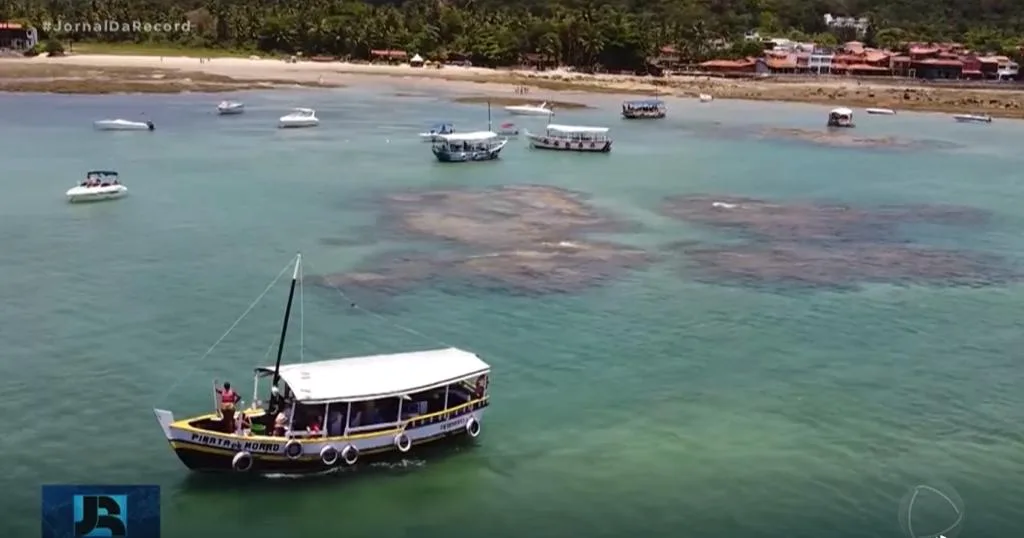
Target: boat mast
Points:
(284, 326)
(489, 115)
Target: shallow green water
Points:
(655, 405)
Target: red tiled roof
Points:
(781, 63)
(876, 56)
(903, 59)
(923, 50)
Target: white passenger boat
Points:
(706, 98)
(572, 138)
(973, 118)
(299, 117)
(649, 109)
(230, 108)
(469, 147)
(880, 111)
(840, 117)
(123, 125)
(530, 110)
(99, 185)
(436, 132)
(335, 413)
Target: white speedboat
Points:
(123, 125)
(880, 111)
(299, 117)
(973, 118)
(437, 132)
(229, 108)
(99, 185)
(706, 98)
(530, 110)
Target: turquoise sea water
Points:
(657, 404)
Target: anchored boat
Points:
(840, 117)
(123, 125)
(327, 414)
(230, 108)
(299, 117)
(572, 138)
(99, 185)
(530, 110)
(973, 118)
(649, 109)
(468, 147)
(436, 132)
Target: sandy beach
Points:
(94, 73)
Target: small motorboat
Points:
(706, 98)
(230, 108)
(99, 185)
(840, 117)
(973, 118)
(123, 125)
(299, 117)
(436, 132)
(508, 129)
(880, 111)
(530, 110)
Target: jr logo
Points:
(101, 515)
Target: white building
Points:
(820, 61)
(859, 24)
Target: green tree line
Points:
(609, 34)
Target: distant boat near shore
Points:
(880, 111)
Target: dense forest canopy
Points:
(616, 34)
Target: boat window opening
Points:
(308, 420)
(375, 415)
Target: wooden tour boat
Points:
(337, 412)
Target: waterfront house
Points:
(820, 61)
(389, 56)
(727, 68)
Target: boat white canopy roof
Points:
(377, 376)
(475, 136)
(842, 111)
(303, 111)
(576, 129)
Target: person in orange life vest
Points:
(228, 399)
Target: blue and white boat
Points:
(467, 147)
(435, 132)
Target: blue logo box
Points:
(95, 511)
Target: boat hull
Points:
(972, 119)
(125, 126)
(297, 124)
(881, 111)
(230, 111)
(555, 144)
(528, 112)
(211, 452)
(446, 155)
(83, 195)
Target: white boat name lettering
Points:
(249, 446)
(461, 423)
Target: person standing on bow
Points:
(228, 399)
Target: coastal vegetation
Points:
(589, 34)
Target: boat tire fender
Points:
(402, 443)
(473, 427)
(293, 449)
(329, 455)
(350, 455)
(242, 462)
